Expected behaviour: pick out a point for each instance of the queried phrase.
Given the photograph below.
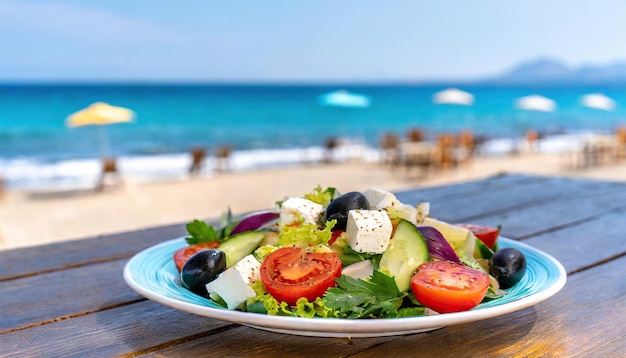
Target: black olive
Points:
(508, 266)
(201, 268)
(338, 208)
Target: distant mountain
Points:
(548, 71)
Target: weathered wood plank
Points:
(32, 260)
(586, 319)
(585, 244)
(46, 297)
(566, 211)
(487, 203)
(443, 192)
(250, 342)
(123, 330)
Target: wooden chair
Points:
(198, 155)
(222, 158)
(532, 140)
(109, 169)
(390, 144)
(466, 146)
(415, 135)
(620, 138)
(447, 144)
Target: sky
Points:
(300, 41)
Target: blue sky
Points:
(271, 40)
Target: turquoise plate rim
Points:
(152, 274)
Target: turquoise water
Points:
(37, 148)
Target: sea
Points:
(266, 125)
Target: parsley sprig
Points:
(356, 298)
(201, 232)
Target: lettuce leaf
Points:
(305, 235)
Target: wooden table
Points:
(69, 299)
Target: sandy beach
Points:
(33, 218)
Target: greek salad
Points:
(353, 255)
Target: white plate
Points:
(152, 274)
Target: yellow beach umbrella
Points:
(100, 114)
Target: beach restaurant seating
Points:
(390, 145)
(620, 139)
(447, 144)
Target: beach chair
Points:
(109, 170)
(466, 147)
(415, 135)
(222, 158)
(447, 151)
(532, 140)
(198, 155)
(620, 139)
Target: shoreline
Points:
(30, 218)
(31, 174)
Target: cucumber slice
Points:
(482, 251)
(241, 245)
(406, 251)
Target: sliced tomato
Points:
(487, 234)
(290, 273)
(446, 286)
(182, 255)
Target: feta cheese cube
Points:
(380, 199)
(369, 230)
(423, 211)
(408, 212)
(233, 285)
(296, 209)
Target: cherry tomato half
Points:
(290, 273)
(446, 286)
(336, 234)
(182, 255)
(487, 234)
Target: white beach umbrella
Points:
(535, 103)
(453, 96)
(343, 98)
(598, 101)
